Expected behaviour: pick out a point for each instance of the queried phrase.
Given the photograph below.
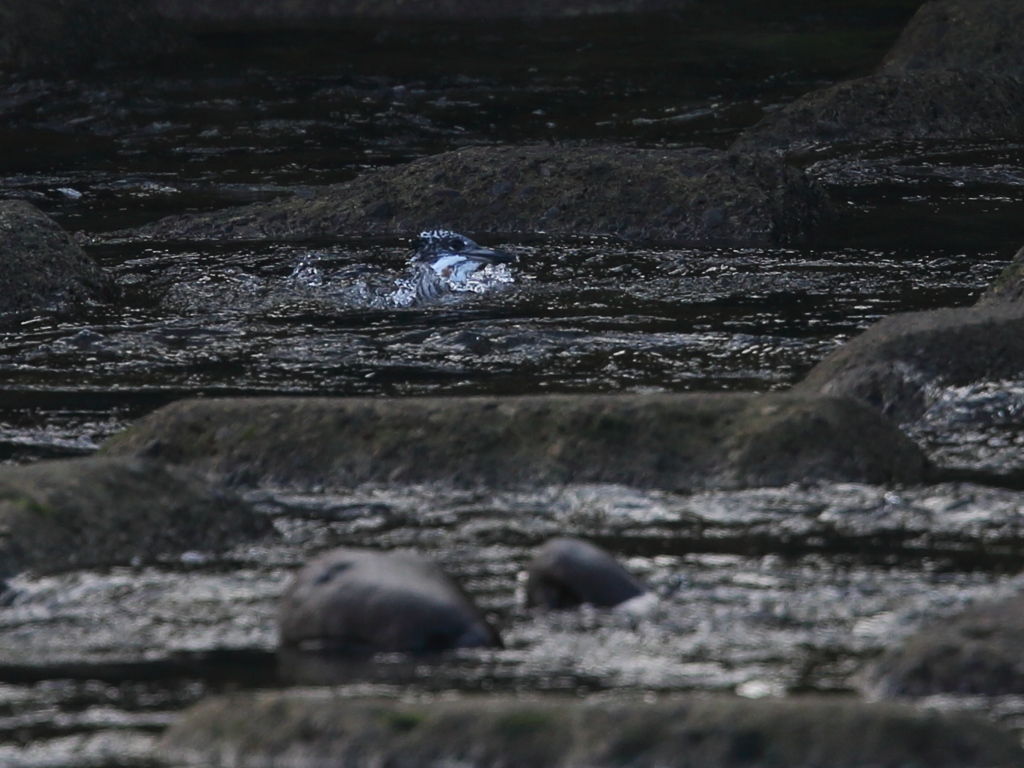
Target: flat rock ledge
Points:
(893, 363)
(671, 441)
(669, 195)
(98, 512)
(320, 728)
(977, 652)
(41, 267)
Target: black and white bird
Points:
(444, 262)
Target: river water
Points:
(763, 592)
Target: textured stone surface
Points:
(310, 729)
(698, 194)
(567, 572)
(661, 441)
(889, 365)
(99, 512)
(979, 651)
(41, 267)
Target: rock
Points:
(684, 194)
(60, 36)
(673, 441)
(968, 35)
(891, 365)
(908, 106)
(1009, 286)
(307, 728)
(298, 10)
(99, 512)
(566, 573)
(41, 267)
(358, 603)
(977, 652)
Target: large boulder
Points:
(955, 73)
(969, 35)
(892, 364)
(566, 573)
(307, 728)
(681, 194)
(897, 106)
(100, 512)
(977, 652)
(358, 602)
(673, 441)
(41, 267)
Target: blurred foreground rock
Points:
(315, 728)
(100, 512)
(680, 194)
(677, 442)
(360, 602)
(41, 267)
(977, 652)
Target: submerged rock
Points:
(359, 602)
(566, 573)
(968, 35)
(977, 652)
(673, 441)
(41, 267)
(683, 194)
(99, 512)
(317, 728)
(891, 365)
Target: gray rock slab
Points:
(360, 602)
(962, 34)
(890, 364)
(896, 106)
(672, 441)
(566, 573)
(684, 194)
(41, 267)
(99, 511)
(314, 729)
(977, 652)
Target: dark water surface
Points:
(763, 592)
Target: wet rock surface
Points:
(660, 441)
(711, 732)
(890, 364)
(890, 106)
(693, 194)
(976, 652)
(101, 512)
(359, 602)
(973, 35)
(1009, 285)
(42, 268)
(567, 573)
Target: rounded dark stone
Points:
(568, 572)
